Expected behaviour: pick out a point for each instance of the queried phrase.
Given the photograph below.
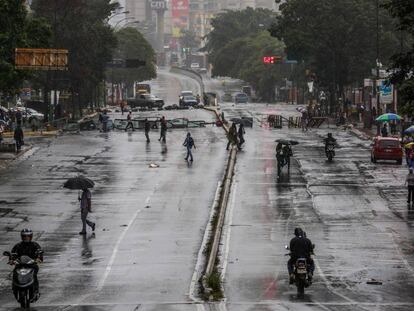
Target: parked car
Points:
(240, 98)
(146, 100)
(387, 148)
(33, 114)
(189, 101)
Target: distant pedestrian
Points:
(86, 207)
(19, 117)
(410, 184)
(384, 130)
(304, 121)
(19, 137)
(189, 144)
(105, 119)
(232, 136)
(393, 127)
(240, 134)
(163, 133)
(1, 132)
(130, 124)
(147, 127)
(198, 99)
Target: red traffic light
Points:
(271, 59)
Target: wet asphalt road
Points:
(354, 211)
(150, 221)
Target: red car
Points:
(387, 148)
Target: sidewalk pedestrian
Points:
(240, 134)
(232, 136)
(189, 144)
(19, 137)
(410, 184)
(130, 124)
(384, 130)
(147, 127)
(86, 207)
(1, 132)
(163, 133)
(304, 121)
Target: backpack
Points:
(190, 142)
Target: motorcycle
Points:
(23, 285)
(301, 276)
(330, 152)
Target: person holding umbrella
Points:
(85, 199)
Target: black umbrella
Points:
(287, 142)
(79, 183)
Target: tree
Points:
(236, 47)
(132, 45)
(17, 30)
(81, 27)
(335, 39)
(189, 39)
(403, 62)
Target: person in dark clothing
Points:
(232, 136)
(18, 137)
(300, 247)
(147, 127)
(330, 140)
(163, 133)
(384, 130)
(130, 124)
(240, 134)
(410, 184)
(31, 249)
(189, 144)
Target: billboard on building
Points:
(180, 16)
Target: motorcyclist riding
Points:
(31, 249)
(330, 140)
(300, 247)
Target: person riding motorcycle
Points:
(330, 140)
(31, 249)
(300, 247)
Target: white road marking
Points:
(118, 242)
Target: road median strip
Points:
(210, 282)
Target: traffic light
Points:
(272, 59)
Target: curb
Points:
(220, 209)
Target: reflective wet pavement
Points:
(355, 212)
(151, 221)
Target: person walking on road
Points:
(18, 137)
(304, 121)
(232, 136)
(86, 207)
(240, 134)
(130, 124)
(410, 183)
(105, 119)
(163, 133)
(189, 143)
(147, 127)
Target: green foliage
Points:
(335, 39)
(189, 39)
(80, 26)
(236, 47)
(403, 62)
(133, 45)
(17, 30)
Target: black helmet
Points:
(26, 232)
(298, 232)
(329, 135)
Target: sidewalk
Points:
(6, 157)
